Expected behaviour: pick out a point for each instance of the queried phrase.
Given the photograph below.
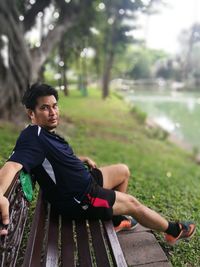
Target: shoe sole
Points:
(126, 229)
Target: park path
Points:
(141, 248)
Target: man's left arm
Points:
(88, 161)
(7, 174)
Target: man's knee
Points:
(126, 204)
(125, 170)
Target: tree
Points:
(114, 32)
(117, 19)
(15, 67)
(190, 49)
(20, 65)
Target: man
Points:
(67, 184)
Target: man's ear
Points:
(30, 113)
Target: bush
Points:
(138, 114)
(157, 133)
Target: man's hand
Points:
(91, 164)
(4, 213)
(7, 174)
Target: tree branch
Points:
(31, 14)
(40, 55)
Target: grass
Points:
(8, 136)
(163, 176)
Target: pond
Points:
(177, 112)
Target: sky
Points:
(161, 30)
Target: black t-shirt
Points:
(61, 175)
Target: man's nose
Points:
(52, 111)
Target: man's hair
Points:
(34, 92)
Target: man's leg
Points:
(127, 204)
(115, 177)
(174, 231)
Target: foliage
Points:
(185, 65)
(64, 34)
(116, 22)
(138, 114)
(8, 135)
(137, 62)
(157, 133)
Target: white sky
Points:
(161, 30)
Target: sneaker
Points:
(187, 231)
(128, 224)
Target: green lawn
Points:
(163, 176)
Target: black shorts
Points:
(99, 201)
(97, 175)
(96, 204)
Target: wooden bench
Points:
(54, 240)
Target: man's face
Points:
(46, 113)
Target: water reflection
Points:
(176, 112)
(165, 123)
(191, 104)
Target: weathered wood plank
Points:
(36, 237)
(83, 244)
(118, 256)
(98, 244)
(52, 253)
(67, 242)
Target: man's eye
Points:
(44, 108)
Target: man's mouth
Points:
(52, 120)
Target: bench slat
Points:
(67, 242)
(36, 237)
(83, 244)
(98, 244)
(52, 253)
(114, 245)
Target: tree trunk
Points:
(109, 57)
(15, 67)
(78, 69)
(84, 76)
(65, 80)
(63, 69)
(106, 74)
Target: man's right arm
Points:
(7, 174)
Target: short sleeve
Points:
(28, 151)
